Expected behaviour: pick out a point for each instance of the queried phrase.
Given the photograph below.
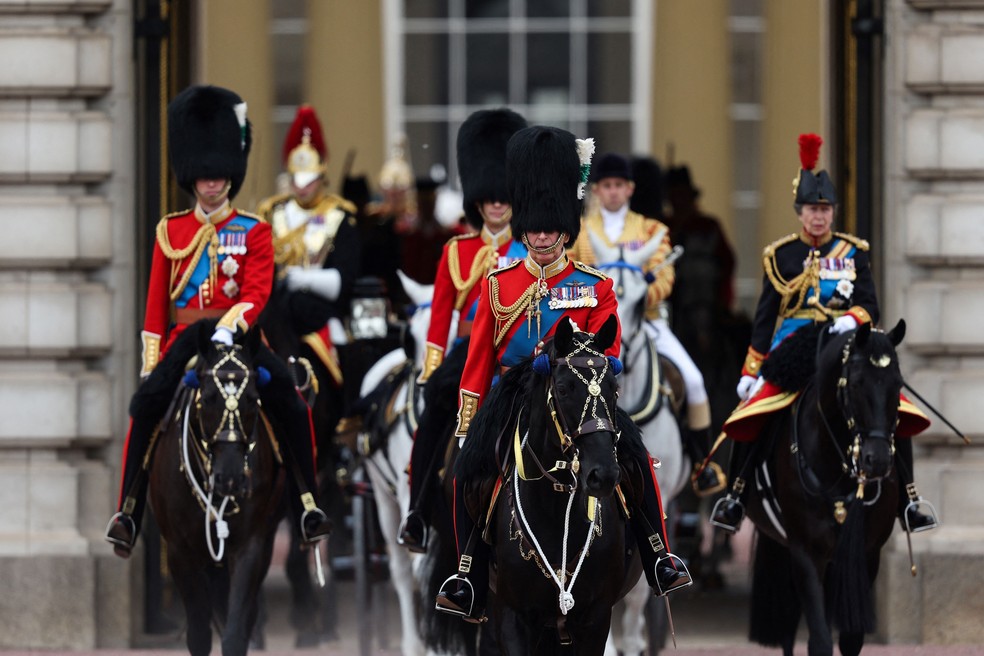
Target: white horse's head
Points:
(421, 296)
(626, 268)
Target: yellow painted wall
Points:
(793, 91)
(344, 68)
(691, 96)
(236, 54)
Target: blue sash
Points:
(827, 289)
(520, 345)
(243, 225)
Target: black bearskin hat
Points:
(482, 142)
(543, 175)
(208, 137)
(812, 188)
(611, 165)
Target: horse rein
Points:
(849, 459)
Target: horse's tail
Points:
(441, 632)
(775, 606)
(849, 602)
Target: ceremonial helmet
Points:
(811, 188)
(481, 149)
(397, 172)
(546, 172)
(208, 137)
(305, 153)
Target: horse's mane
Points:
(792, 364)
(498, 415)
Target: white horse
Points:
(641, 395)
(387, 467)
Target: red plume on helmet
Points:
(305, 122)
(810, 150)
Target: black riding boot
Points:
(147, 407)
(664, 571)
(704, 480)
(464, 594)
(910, 502)
(291, 414)
(426, 453)
(729, 511)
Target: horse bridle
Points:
(231, 385)
(850, 461)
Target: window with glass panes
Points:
(582, 65)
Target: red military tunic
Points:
(216, 266)
(515, 315)
(465, 260)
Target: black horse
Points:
(558, 531)
(824, 502)
(287, 317)
(215, 488)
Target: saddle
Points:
(367, 427)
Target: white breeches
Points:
(668, 345)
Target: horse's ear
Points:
(896, 334)
(606, 336)
(563, 337)
(863, 333)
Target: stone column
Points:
(934, 256)
(66, 202)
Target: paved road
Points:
(708, 623)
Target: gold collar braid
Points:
(206, 237)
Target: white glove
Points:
(745, 386)
(843, 325)
(326, 283)
(222, 335)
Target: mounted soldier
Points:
(616, 226)
(316, 245)
(465, 261)
(813, 277)
(519, 307)
(213, 263)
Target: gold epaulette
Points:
(267, 204)
(770, 250)
(174, 214)
(581, 266)
(250, 215)
(343, 203)
(467, 235)
(511, 265)
(857, 241)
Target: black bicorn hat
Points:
(208, 137)
(811, 188)
(544, 175)
(611, 165)
(481, 149)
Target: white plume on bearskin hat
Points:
(546, 169)
(208, 137)
(481, 147)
